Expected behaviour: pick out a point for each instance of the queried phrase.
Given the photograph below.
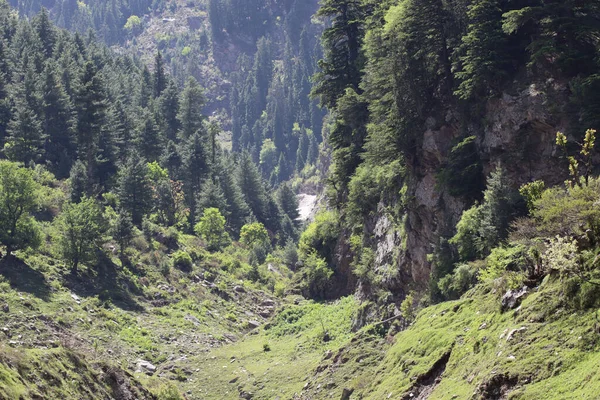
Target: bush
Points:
(254, 234)
(459, 282)
(316, 274)
(182, 260)
(211, 228)
(506, 259)
(320, 236)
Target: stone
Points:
(192, 319)
(253, 324)
(328, 355)
(513, 298)
(483, 326)
(268, 303)
(76, 298)
(146, 367)
(5, 308)
(239, 289)
(512, 334)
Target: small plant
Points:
(266, 347)
(579, 169)
(182, 260)
(407, 308)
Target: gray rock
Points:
(513, 298)
(253, 324)
(146, 366)
(346, 393)
(512, 334)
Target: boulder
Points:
(146, 366)
(513, 298)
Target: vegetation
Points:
(149, 211)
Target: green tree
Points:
(211, 228)
(485, 54)
(288, 202)
(254, 234)
(134, 188)
(122, 231)
(190, 109)
(80, 229)
(18, 199)
(252, 187)
(159, 78)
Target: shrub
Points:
(316, 274)
(320, 236)
(505, 259)
(182, 260)
(254, 234)
(459, 282)
(211, 228)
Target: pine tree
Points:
(79, 181)
(92, 107)
(168, 105)
(190, 110)
(341, 67)
(237, 208)
(146, 90)
(159, 78)
(288, 202)
(195, 170)
(252, 187)
(485, 56)
(45, 31)
(25, 140)
(148, 140)
(212, 196)
(57, 123)
(134, 188)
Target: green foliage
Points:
(18, 199)
(532, 192)
(570, 211)
(457, 283)
(80, 229)
(316, 274)
(407, 307)
(463, 172)
(182, 260)
(370, 185)
(254, 234)
(502, 260)
(320, 237)
(483, 227)
(211, 228)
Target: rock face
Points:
(518, 132)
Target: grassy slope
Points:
(555, 356)
(58, 333)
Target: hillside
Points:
(285, 199)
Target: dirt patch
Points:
(497, 387)
(427, 382)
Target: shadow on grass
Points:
(109, 285)
(23, 278)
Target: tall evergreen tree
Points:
(159, 78)
(134, 188)
(190, 110)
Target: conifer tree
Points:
(168, 105)
(134, 188)
(159, 78)
(190, 108)
(252, 187)
(57, 123)
(288, 202)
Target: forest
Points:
(355, 199)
